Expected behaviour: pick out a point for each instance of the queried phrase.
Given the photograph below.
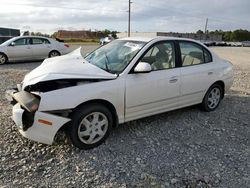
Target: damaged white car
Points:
(124, 80)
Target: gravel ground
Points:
(182, 148)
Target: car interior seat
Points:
(192, 58)
(162, 61)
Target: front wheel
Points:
(91, 125)
(212, 98)
(3, 59)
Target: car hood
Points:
(70, 66)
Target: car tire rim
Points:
(93, 128)
(54, 54)
(2, 59)
(214, 98)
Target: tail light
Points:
(66, 45)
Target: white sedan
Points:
(124, 80)
(31, 48)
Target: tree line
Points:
(236, 35)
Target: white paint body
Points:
(31, 51)
(133, 95)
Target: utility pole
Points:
(206, 26)
(205, 32)
(129, 11)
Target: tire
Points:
(94, 122)
(3, 59)
(212, 98)
(54, 53)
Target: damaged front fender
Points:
(42, 131)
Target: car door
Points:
(41, 47)
(20, 49)
(156, 91)
(197, 72)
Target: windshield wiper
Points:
(106, 62)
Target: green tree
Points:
(54, 35)
(240, 35)
(199, 32)
(227, 36)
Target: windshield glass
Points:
(115, 56)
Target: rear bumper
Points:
(38, 131)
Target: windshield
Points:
(115, 56)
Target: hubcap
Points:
(2, 59)
(54, 54)
(214, 98)
(93, 128)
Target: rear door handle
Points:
(173, 79)
(210, 72)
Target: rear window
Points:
(193, 54)
(40, 41)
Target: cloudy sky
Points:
(147, 15)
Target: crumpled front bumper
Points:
(39, 131)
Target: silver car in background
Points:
(31, 48)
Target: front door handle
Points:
(173, 79)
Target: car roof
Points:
(30, 37)
(148, 39)
(142, 39)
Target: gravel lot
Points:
(182, 148)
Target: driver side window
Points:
(20, 42)
(160, 56)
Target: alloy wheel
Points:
(54, 54)
(214, 98)
(93, 128)
(2, 59)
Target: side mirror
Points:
(12, 44)
(142, 67)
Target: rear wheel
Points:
(3, 59)
(91, 125)
(54, 53)
(212, 98)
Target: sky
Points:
(48, 16)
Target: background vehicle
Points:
(124, 80)
(31, 48)
(4, 38)
(106, 40)
(8, 33)
(245, 43)
(208, 43)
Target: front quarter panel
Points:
(3, 49)
(71, 97)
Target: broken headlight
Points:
(27, 100)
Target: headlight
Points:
(19, 87)
(27, 100)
